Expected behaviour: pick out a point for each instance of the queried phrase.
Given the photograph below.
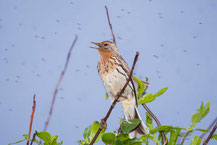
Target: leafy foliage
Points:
(174, 136)
(90, 132)
(202, 112)
(108, 138)
(149, 120)
(141, 86)
(120, 139)
(106, 96)
(171, 133)
(149, 97)
(214, 137)
(196, 140)
(44, 136)
(129, 125)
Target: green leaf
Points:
(45, 136)
(141, 86)
(146, 137)
(129, 125)
(94, 128)
(18, 141)
(173, 137)
(160, 136)
(202, 112)
(134, 141)
(149, 97)
(164, 128)
(122, 137)
(149, 120)
(161, 91)
(86, 133)
(214, 137)
(196, 140)
(117, 142)
(108, 138)
(26, 136)
(54, 140)
(202, 130)
(82, 142)
(60, 143)
(106, 96)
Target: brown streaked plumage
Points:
(114, 72)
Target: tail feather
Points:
(141, 129)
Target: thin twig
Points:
(156, 120)
(104, 120)
(33, 138)
(184, 138)
(31, 120)
(110, 25)
(58, 84)
(210, 126)
(119, 129)
(210, 135)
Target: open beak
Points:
(96, 44)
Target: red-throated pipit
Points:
(114, 72)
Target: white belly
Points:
(114, 82)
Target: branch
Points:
(154, 117)
(183, 140)
(210, 135)
(58, 84)
(31, 120)
(210, 126)
(110, 25)
(104, 120)
(119, 129)
(157, 121)
(33, 138)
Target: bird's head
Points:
(106, 46)
(106, 49)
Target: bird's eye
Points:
(105, 44)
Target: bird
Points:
(114, 72)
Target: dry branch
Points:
(104, 120)
(58, 84)
(183, 140)
(210, 135)
(210, 126)
(156, 120)
(110, 25)
(31, 120)
(33, 138)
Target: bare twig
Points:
(31, 120)
(58, 84)
(210, 126)
(210, 135)
(104, 120)
(184, 138)
(119, 129)
(110, 25)
(156, 120)
(33, 138)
